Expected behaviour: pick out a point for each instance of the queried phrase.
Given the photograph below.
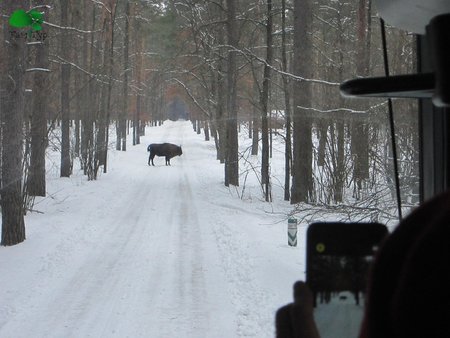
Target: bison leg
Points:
(150, 159)
(167, 160)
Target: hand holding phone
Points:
(338, 259)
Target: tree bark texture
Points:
(39, 139)
(264, 105)
(122, 124)
(287, 104)
(66, 161)
(12, 108)
(302, 182)
(232, 160)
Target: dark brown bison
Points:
(168, 150)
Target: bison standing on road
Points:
(168, 150)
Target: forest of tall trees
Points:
(78, 71)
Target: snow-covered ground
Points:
(151, 251)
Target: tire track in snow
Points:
(245, 293)
(190, 263)
(122, 284)
(181, 309)
(68, 303)
(89, 296)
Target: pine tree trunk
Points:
(36, 185)
(138, 52)
(91, 102)
(255, 124)
(66, 162)
(339, 172)
(302, 183)
(359, 128)
(220, 112)
(265, 179)
(109, 53)
(207, 136)
(12, 56)
(78, 85)
(287, 104)
(231, 158)
(122, 126)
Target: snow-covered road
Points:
(148, 252)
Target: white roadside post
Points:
(292, 232)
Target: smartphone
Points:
(338, 259)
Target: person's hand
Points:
(296, 320)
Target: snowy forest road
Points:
(142, 252)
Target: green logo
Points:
(32, 19)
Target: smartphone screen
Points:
(338, 259)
